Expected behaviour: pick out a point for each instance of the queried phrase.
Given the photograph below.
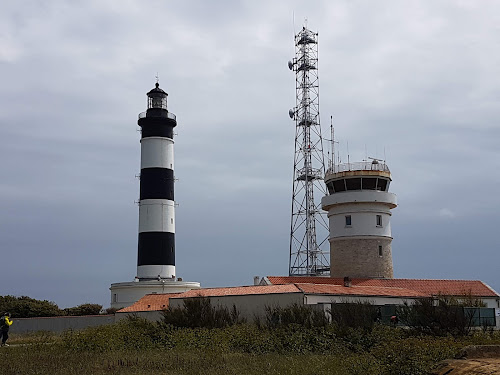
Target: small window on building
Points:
(114, 297)
(379, 220)
(379, 250)
(348, 221)
(171, 221)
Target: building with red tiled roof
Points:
(413, 288)
(150, 302)
(428, 287)
(252, 300)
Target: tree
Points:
(83, 309)
(26, 307)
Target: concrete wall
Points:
(59, 323)
(250, 305)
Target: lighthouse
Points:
(359, 208)
(156, 243)
(156, 238)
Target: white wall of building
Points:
(250, 305)
(363, 220)
(125, 294)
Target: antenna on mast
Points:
(348, 162)
(309, 253)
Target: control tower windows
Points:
(357, 183)
(379, 220)
(369, 183)
(382, 184)
(353, 183)
(339, 185)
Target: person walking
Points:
(5, 324)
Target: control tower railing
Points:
(359, 166)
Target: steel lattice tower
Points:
(309, 229)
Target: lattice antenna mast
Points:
(309, 228)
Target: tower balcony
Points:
(156, 112)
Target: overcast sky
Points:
(418, 79)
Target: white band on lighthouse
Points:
(156, 215)
(157, 152)
(161, 270)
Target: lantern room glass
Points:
(157, 101)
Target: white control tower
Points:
(359, 208)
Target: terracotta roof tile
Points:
(240, 290)
(150, 302)
(425, 286)
(358, 290)
(157, 302)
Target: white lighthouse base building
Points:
(127, 293)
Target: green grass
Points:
(141, 347)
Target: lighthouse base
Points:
(125, 294)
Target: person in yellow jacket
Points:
(5, 324)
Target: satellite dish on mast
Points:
(290, 65)
(291, 113)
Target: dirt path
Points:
(476, 360)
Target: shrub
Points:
(130, 333)
(295, 314)
(84, 309)
(26, 307)
(199, 312)
(354, 315)
(424, 316)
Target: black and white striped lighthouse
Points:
(156, 245)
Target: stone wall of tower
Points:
(360, 257)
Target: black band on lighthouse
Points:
(157, 183)
(156, 248)
(157, 127)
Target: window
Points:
(348, 221)
(380, 250)
(171, 221)
(379, 220)
(114, 297)
(353, 183)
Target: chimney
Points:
(347, 282)
(256, 280)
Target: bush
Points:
(131, 333)
(423, 316)
(26, 307)
(84, 309)
(295, 314)
(199, 312)
(354, 315)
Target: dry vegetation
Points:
(288, 341)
